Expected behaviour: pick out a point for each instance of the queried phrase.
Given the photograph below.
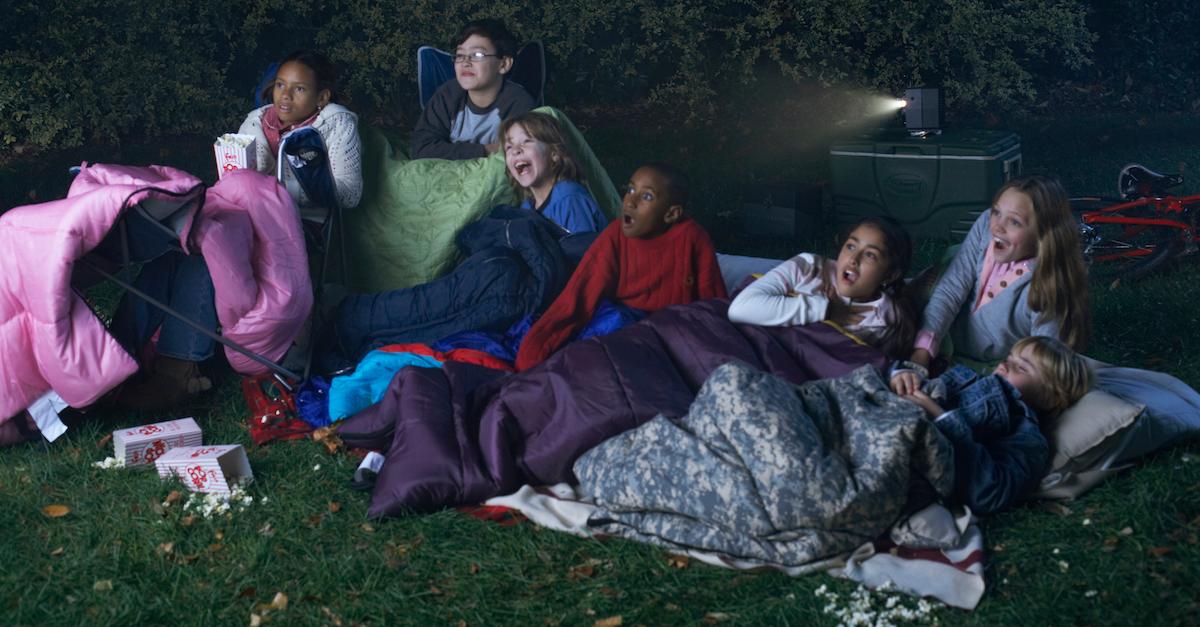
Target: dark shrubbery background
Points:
(76, 71)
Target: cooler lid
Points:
(966, 143)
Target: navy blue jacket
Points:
(1000, 453)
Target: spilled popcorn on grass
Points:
(209, 504)
(110, 462)
(861, 607)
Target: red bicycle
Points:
(1128, 237)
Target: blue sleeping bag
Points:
(517, 263)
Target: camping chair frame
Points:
(282, 374)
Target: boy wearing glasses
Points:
(462, 119)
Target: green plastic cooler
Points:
(936, 186)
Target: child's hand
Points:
(491, 148)
(844, 314)
(928, 404)
(906, 383)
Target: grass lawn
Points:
(1127, 553)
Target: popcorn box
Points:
(145, 444)
(207, 468)
(235, 152)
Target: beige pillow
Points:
(1082, 439)
(1076, 433)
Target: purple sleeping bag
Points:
(463, 434)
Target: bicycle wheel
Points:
(1116, 251)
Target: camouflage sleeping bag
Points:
(764, 469)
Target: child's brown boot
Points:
(170, 382)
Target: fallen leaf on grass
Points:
(56, 511)
(1128, 531)
(333, 618)
(328, 438)
(57, 552)
(404, 548)
(187, 521)
(712, 618)
(611, 621)
(581, 572)
(103, 585)
(278, 603)
(367, 527)
(266, 530)
(166, 548)
(1160, 551)
(104, 441)
(335, 507)
(247, 592)
(678, 561)
(1055, 508)
(173, 497)
(255, 620)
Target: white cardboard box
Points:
(145, 444)
(235, 152)
(207, 468)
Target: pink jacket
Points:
(248, 231)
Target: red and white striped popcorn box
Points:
(144, 444)
(235, 152)
(214, 468)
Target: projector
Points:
(923, 110)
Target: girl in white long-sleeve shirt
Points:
(860, 290)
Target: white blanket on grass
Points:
(952, 575)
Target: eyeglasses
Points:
(473, 57)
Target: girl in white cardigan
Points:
(303, 94)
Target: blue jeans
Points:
(175, 279)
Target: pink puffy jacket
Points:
(248, 231)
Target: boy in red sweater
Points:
(653, 257)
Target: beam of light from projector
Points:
(884, 105)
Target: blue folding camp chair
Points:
(264, 81)
(435, 67)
